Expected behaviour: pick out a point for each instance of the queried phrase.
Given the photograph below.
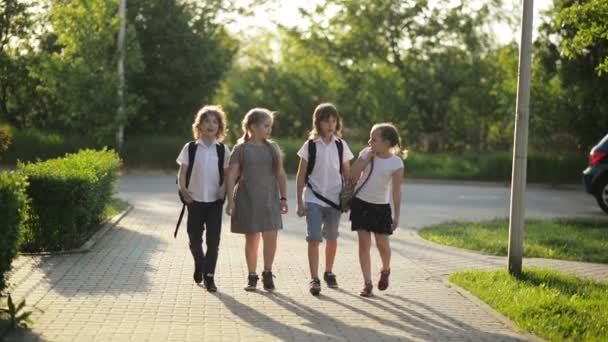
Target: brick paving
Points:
(136, 285)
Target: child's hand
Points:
(221, 192)
(229, 208)
(394, 225)
(301, 209)
(284, 207)
(187, 198)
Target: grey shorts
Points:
(321, 222)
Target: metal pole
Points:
(520, 148)
(120, 120)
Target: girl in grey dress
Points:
(257, 189)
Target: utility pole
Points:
(520, 148)
(120, 114)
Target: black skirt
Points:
(375, 218)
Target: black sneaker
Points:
(330, 279)
(252, 282)
(198, 275)
(210, 284)
(267, 280)
(315, 286)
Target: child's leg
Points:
(330, 254)
(270, 248)
(314, 238)
(196, 220)
(384, 248)
(331, 223)
(365, 243)
(214, 228)
(313, 258)
(252, 240)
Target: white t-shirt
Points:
(205, 178)
(378, 188)
(325, 177)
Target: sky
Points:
(286, 12)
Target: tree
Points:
(185, 54)
(572, 56)
(14, 26)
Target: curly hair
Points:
(204, 113)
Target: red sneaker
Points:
(383, 282)
(367, 290)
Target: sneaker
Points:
(315, 286)
(210, 284)
(198, 275)
(252, 282)
(267, 280)
(367, 290)
(330, 279)
(383, 282)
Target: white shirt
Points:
(325, 177)
(378, 188)
(205, 178)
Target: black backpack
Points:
(312, 155)
(221, 152)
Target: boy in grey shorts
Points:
(324, 162)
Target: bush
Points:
(13, 211)
(68, 196)
(32, 145)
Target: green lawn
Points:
(567, 239)
(550, 305)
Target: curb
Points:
(91, 241)
(493, 312)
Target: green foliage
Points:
(68, 197)
(590, 31)
(5, 138)
(30, 145)
(568, 239)
(13, 210)
(571, 87)
(185, 53)
(548, 304)
(17, 315)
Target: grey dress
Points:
(256, 196)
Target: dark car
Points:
(595, 175)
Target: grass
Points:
(548, 304)
(567, 239)
(115, 207)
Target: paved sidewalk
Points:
(136, 284)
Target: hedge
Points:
(68, 196)
(13, 211)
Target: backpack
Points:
(348, 191)
(312, 155)
(221, 152)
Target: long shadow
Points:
(118, 264)
(329, 328)
(413, 323)
(464, 328)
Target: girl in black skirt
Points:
(378, 173)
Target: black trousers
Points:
(205, 216)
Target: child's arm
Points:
(234, 170)
(282, 182)
(397, 179)
(300, 178)
(181, 183)
(360, 165)
(346, 171)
